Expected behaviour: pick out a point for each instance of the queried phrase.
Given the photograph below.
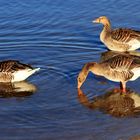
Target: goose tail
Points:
(23, 74)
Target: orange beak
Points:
(79, 85)
(97, 20)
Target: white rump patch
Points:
(23, 74)
(136, 75)
(135, 44)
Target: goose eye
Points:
(79, 79)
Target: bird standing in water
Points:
(120, 68)
(120, 39)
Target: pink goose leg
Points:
(123, 86)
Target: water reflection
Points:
(109, 54)
(18, 89)
(113, 102)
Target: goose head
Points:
(93, 67)
(80, 79)
(103, 20)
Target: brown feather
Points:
(12, 66)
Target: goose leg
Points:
(123, 87)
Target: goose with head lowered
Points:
(120, 39)
(15, 71)
(120, 68)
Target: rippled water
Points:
(59, 37)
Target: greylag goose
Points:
(120, 39)
(14, 71)
(120, 68)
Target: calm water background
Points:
(59, 37)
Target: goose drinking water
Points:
(120, 68)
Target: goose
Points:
(120, 68)
(15, 71)
(120, 39)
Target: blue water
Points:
(59, 37)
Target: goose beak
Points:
(96, 20)
(79, 85)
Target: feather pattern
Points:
(125, 35)
(12, 66)
(119, 68)
(119, 62)
(12, 71)
(120, 39)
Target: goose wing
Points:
(120, 62)
(120, 66)
(135, 63)
(12, 66)
(125, 35)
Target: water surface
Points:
(59, 37)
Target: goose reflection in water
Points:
(113, 103)
(17, 89)
(109, 54)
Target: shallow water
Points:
(59, 37)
